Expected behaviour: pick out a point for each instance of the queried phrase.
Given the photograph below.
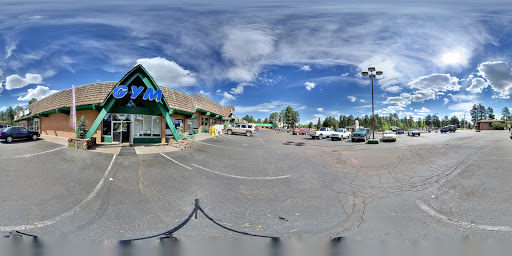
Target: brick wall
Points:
(58, 124)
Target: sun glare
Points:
(457, 57)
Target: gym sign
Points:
(150, 94)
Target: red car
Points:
(301, 131)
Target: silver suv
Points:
(248, 129)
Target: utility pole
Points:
(281, 124)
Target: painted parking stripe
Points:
(262, 150)
(241, 177)
(35, 153)
(175, 161)
(66, 214)
(435, 214)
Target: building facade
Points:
(134, 110)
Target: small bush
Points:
(498, 126)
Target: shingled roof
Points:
(97, 92)
(85, 95)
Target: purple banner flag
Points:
(72, 114)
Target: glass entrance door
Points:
(117, 132)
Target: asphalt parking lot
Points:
(277, 184)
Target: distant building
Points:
(486, 124)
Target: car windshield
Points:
(361, 130)
(389, 132)
(412, 130)
(340, 130)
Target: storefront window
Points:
(107, 128)
(36, 125)
(212, 121)
(122, 117)
(177, 123)
(146, 126)
(204, 122)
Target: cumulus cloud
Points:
(270, 106)
(352, 98)
(207, 94)
(245, 47)
(168, 73)
(345, 74)
(423, 95)
(1, 81)
(477, 85)
(305, 68)
(39, 92)
(446, 101)
(463, 97)
(239, 89)
(422, 110)
(16, 81)
(436, 82)
(499, 76)
(320, 109)
(309, 85)
(389, 109)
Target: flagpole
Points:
(72, 115)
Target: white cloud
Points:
(240, 88)
(446, 101)
(39, 92)
(226, 97)
(463, 97)
(477, 85)
(389, 109)
(264, 110)
(363, 101)
(245, 47)
(305, 68)
(345, 74)
(309, 85)
(271, 106)
(352, 98)
(393, 89)
(499, 76)
(422, 110)
(168, 73)
(3, 108)
(423, 95)
(454, 57)
(10, 47)
(403, 100)
(463, 106)
(16, 81)
(436, 82)
(320, 109)
(207, 94)
(218, 91)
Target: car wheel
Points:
(248, 133)
(333, 139)
(320, 137)
(419, 134)
(353, 140)
(8, 139)
(34, 137)
(230, 132)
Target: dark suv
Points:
(450, 128)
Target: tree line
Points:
(291, 118)
(479, 112)
(9, 113)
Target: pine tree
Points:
(81, 128)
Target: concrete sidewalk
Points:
(115, 148)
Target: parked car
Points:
(4, 126)
(300, 131)
(248, 129)
(17, 133)
(413, 132)
(323, 132)
(360, 134)
(388, 136)
(400, 131)
(340, 134)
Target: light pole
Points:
(372, 76)
(281, 124)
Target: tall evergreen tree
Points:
(505, 113)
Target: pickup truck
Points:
(301, 131)
(340, 134)
(360, 134)
(413, 132)
(449, 128)
(323, 132)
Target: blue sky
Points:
(437, 57)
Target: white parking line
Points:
(35, 153)
(176, 161)
(261, 140)
(241, 177)
(258, 150)
(66, 214)
(433, 213)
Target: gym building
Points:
(133, 110)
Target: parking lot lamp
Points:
(372, 75)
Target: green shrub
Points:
(498, 126)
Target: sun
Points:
(454, 57)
